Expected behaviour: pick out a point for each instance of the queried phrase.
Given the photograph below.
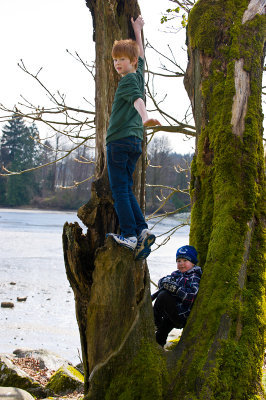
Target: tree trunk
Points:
(112, 291)
(220, 353)
(219, 356)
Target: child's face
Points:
(124, 66)
(184, 265)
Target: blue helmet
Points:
(187, 252)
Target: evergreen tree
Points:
(3, 183)
(11, 141)
(19, 151)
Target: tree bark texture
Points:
(220, 353)
(112, 291)
(114, 314)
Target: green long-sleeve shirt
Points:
(125, 120)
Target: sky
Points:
(39, 32)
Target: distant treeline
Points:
(55, 186)
(167, 169)
(21, 149)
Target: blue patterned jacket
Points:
(184, 286)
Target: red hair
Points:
(128, 48)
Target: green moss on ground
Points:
(10, 376)
(66, 380)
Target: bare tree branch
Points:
(171, 60)
(9, 173)
(89, 68)
(182, 128)
(186, 5)
(76, 184)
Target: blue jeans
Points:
(122, 156)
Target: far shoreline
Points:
(31, 208)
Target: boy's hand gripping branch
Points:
(151, 122)
(141, 109)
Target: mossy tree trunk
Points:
(220, 354)
(112, 291)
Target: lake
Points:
(32, 266)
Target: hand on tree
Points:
(151, 122)
(138, 24)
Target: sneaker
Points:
(129, 242)
(145, 241)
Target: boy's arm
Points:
(161, 281)
(185, 290)
(137, 27)
(141, 109)
(139, 103)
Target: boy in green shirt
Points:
(124, 137)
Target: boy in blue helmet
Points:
(177, 293)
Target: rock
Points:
(11, 393)
(12, 283)
(11, 375)
(46, 358)
(22, 298)
(7, 304)
(80, 368)
(66, 380)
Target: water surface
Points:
(32, 266)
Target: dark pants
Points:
(166, 316)
(122, 156)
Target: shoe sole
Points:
(145, 250)
(121, 244)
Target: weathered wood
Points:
(113, 307)
(112, 291)
(240, 100)
(255, 7)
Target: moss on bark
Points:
(225, 333)
(145, 378)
